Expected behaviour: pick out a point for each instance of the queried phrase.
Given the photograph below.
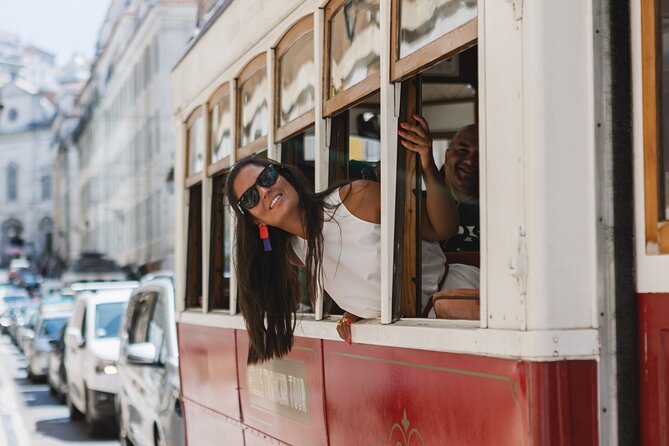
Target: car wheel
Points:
(94, 426)
(75, 414)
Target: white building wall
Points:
(126, 198)
(24, 142)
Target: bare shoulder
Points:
(363, 199)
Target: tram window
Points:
(352, 52)
(355, 154)
(195, 135)
(446, 97)
(423, 31)
(220, 249)
(252, 108)
(656, 123)
(355, 146)
(300, 151)
(220, 127)
(194, 249)
(295, 79)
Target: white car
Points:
(91, 352)
(37, 352)
(150, 409)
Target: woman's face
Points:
(277, 203)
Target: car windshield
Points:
(51, 327)
(108, 319)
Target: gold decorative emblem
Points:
(401, 435)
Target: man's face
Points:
(462, 161)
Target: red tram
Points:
(573, 307)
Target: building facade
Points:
(65, 155)
(124, 137)
(26, 195)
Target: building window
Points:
(12, 114)
(46, 187)
(12, 182)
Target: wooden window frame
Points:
(199, 175)
(461, 38)
(216, 99)
(303, 26)
(194, 237)
(257, 63)
(657, 230)
(354, 94)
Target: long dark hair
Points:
(268, 287)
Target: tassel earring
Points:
(264, 235)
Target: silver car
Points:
(148, 403)
(47, 329)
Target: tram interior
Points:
(449, 102)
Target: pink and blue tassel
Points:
(264, 235)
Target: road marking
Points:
(15, 433)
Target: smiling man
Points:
(461, 171)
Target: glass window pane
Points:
(221, 128)
(196, 146)
(51, 327)
(108, 319)
(424, 21)
(227, 244)
(300, 151)
(254, 115)
(219, 257)
(364, 141)
(298, 78)
(663, 60)
(355, 44)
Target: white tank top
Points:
(352, 261)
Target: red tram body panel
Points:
(654, 351)
(317, 394)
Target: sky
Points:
(62, 27)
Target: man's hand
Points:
(416, 137)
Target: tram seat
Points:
(459, 303)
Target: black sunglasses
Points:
(251, 197)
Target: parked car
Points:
(149, 406)
(23, 330)
(11, 296)
(91, 354)
(56, 302)
(47, 329)
(57, 376)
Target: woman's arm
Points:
(439, 215)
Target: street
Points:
(29, 414)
